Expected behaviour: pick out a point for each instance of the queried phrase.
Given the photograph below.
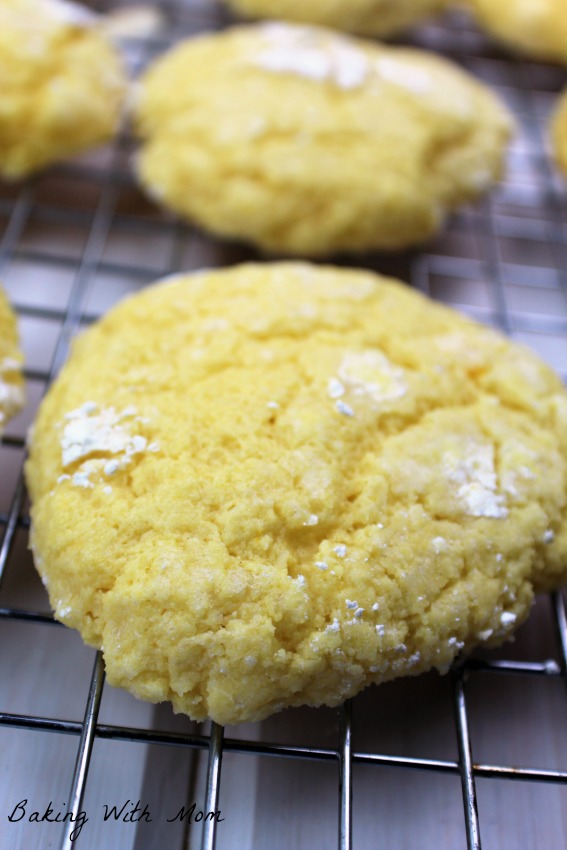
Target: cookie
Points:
(306, 142)
(559, 133)
(537, 28)
(277, 484)
(365, 17)
(62, 84)
(11, 383)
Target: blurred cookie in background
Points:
(364, 17)
(303, 141)
(62, 83)
(537, 28)
(11, 382)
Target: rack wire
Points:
(74, 240)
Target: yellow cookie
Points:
(11, 383)
(535, 27)
(304, 141)
(61, 83)
(274, 485)
(559, 133)
(366, 17)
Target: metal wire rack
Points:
(414, 764)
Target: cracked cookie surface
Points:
(307, 142)
(275, 485)
(61, 84)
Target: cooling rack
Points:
(477, 758)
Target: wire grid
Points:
(84, 234)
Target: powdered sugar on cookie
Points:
(94, 431)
